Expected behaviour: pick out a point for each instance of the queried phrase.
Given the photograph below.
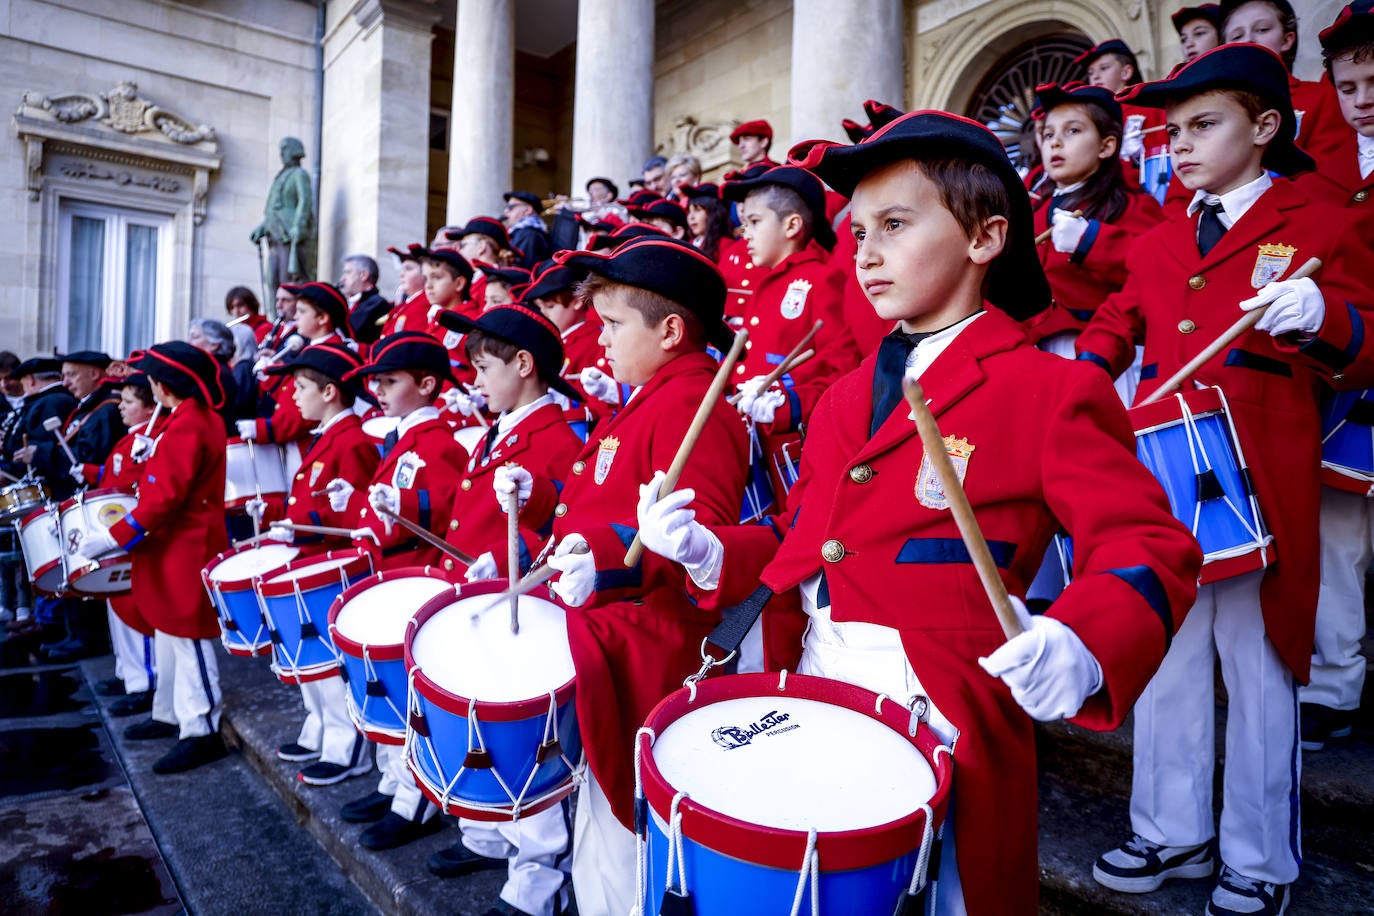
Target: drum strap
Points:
(736, 621)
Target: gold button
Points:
(748, 345)
(1361, 196)
(1197, 282)
(1186, 326)
(561, 510)
(300, 476)
(448, 564)
(579, 467)
(861, 474)
(362, 513)
(739, 370)
(754, 322)
(291, 501)
(744, 283)
(832, 551)
(601, 362)
(453, 525)
(739, 301)
(465, 485)
(749, 265)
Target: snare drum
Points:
(40, 538)
(295, 601)
(492, 732)
(761, 787)
(109, 574)
(18, 500)
(367, 625)
(1189, 443)
(1156, 169)
(377, 428)
(253, 469)
(1348, 441)
(229, 580)
(470, 438)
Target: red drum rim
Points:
(41, 510)
(452, 702)
(1166, 409)
(382, 652)
(120, 559)
(494, 813)
(243, 651)
(42, 571)
(359, 560)
(71, 501)
(305, 675)
(840, 850)
(230, 585)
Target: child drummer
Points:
(946, 247)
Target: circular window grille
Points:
(1004, 98)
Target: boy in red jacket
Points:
(1231, 124)
(337, 448)
(635, 633)
(890, 598)
(176, 528)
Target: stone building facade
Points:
(145, 132)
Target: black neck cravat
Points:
(489, 440)
(888, 373)
(389, 442)
(1209, 227)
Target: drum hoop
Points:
(456, 704)
(32, 516)
(840, 850)
(359, 558)
(383, 652)
(233, 585)
(120, 558)
(495, 812)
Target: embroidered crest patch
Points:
(929, 492)
(407, 467)
(117, 463)
(316, 469)
(1271, 264)
(794, 301)
(604, 456)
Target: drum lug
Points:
(479, 759)
(707, 663)
(920, 712)
(419, 724)
(549, 750)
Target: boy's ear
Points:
(460, 283)
(792, 226)
(1267, 126)
(673, 332)
(524, 364)
(989, 239)
(428, 386)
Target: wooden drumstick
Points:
(794, 356)
(782, 369)
(427, 536)
(512, 501)
(314, 529)
(157, 409)
(974, 541)
(534, 578)
(51, 424)
(689, 441)
(1243, 324)
(1044, 237)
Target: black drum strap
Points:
(738, 620)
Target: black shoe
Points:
(1320, 724)
(325, 773)
(459, 860)
(110, 687)
(503, 908)
(190, 753)
(46, 649)
(132, 704)
(148, 729)
(393, 830)
(365, 810)
(295, 753)
(72, 651)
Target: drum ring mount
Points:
(707, 663)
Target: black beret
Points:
(334, 360)
(483, 225)
(1354, 23)
(524, 197)
(324, 296)
(511, 276)
(555, 278)
(879, 114)
(615, 191)
(37, 365)
(528, 329)
(805, 184)
(619, 236)
(445, 256)
(1052, 95)
(662, 209)
(86, 358)
(407, 351)
(1208, 11)
(182, 367)
(1110, 46)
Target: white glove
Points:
(1133, 138)
(256, 509)
(670, 529)
(760, 406)
(384, 496)
(512, 478)
(284, 535)
(248, 429)
(142, 449)
(96, 541)
(1067, 232)
(78, 473)
(578, 579)
(599, 385)
(1297, 306)
(340, 491)
(484, 568)
(465, 402)
(1049, 670)
(433, 312)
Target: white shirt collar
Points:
(1365, 146)
(565, 334)
(415, 418)
(1234, 202)
(320, 430)
(925, 352)
(1069, 188)
(513, 418)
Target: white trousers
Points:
(187, 693)
(1347, 531)
(1171, 792)
(327, 727)
(133, 653)
(604, 858)
(539, 850)
(397, 781)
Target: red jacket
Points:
(1083, 278)
(340, 451)
(1322, 128)
(411, 315)
(1177, 302)
(178, 525)
(260, 326)
(286, 423)
(542, 444)
(1337, 180)
(121, 472)
(640, 634)
(1050, 447)
(582, 350)
(788, 299)
(424, 465)
(738, 270)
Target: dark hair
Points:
(144, 393)
(1356, 43)
(970, 191)
(8, 362)
(346, 396)
(1127, 60)
(242, 295)
(717, 225)
(1288, 20)
(453, 272)
(654, 162)
(652, 307)
(784, 202)
(1105, 195)
(318, 310)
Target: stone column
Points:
(838, 61)
(613, 106)
(482, 129)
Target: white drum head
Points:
(249, 563)
(470, 437)
(794, 764)
(482, 660)
(378, 615)
(378, 427)
(310, 569)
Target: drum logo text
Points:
(733, 736)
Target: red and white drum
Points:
(40, 538)
(377, 427)
(109, 574)
(253, 469)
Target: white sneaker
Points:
(1138, 866)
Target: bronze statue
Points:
(286, 238)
